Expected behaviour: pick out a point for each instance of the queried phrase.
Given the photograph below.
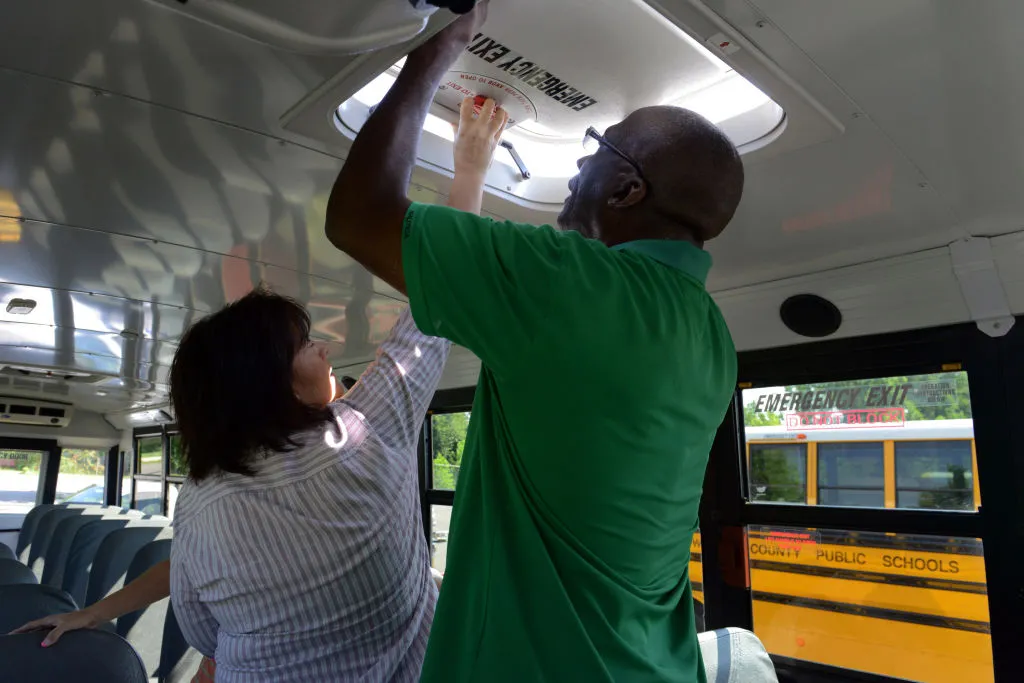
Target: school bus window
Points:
(447, 441)
(440, 520)
(851, 474)
(937, 475)
(778, 473)
(910, 607)
(150, 455)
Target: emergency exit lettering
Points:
(878, 396)
(530, 73)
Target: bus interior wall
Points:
(995, 370)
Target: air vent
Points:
(44, 374)
(25, 411)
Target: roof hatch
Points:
(558, 70)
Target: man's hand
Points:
(369, 200)
(450, 41)
(59, 624)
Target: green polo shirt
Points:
(606, 373)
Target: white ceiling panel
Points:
(149, 172)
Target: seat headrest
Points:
(735, 655)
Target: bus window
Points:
(150, 455)
(935, 475)
(778, 473)
(697, 580)
(82, 476)
(126, 480)
(19, 480)
(177, 466)
(447, 439)
(440, 519)
(148, 497)
(172, 498)
(906, 606)
(912, 607)
(851, 474)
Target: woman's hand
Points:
(478, 136)
(59, 624)
(475, 141)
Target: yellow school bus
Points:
(906, 606)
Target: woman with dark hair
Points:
(299, 551)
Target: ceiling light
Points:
(147, 416)
(21, 306)
(550, 155)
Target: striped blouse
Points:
(316, 568)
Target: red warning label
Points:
(460, 85)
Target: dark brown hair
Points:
(231, 384)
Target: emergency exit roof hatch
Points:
(561, 67)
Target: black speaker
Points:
(810, 315)
(456, 6)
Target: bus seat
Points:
(43, 534)
(144, 628)
(28, 529)
(6, 552)
(86, 655)
(14, 572)
(114, 555)
(65, 534)
(178, 661)
(734, 655)
(86, 545)
(57, 549)
(21, 603)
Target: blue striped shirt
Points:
(316, 568)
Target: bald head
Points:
(687, 182)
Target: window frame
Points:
(444, 401)
(993, 365)
(165, 478)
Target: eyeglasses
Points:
(592, 141)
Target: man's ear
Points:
(628, 189)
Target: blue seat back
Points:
(83, 551)
(14, 572)
(86, 655)
(21, 603)
(144, 628)
(28, 529)
(113, 557)
(178, 661)
(64, 534)
(47, 527)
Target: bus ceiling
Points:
(163, 157)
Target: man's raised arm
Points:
(368, 202)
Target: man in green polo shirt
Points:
(607, 369)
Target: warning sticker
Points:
(459, 85)
(529, 72)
